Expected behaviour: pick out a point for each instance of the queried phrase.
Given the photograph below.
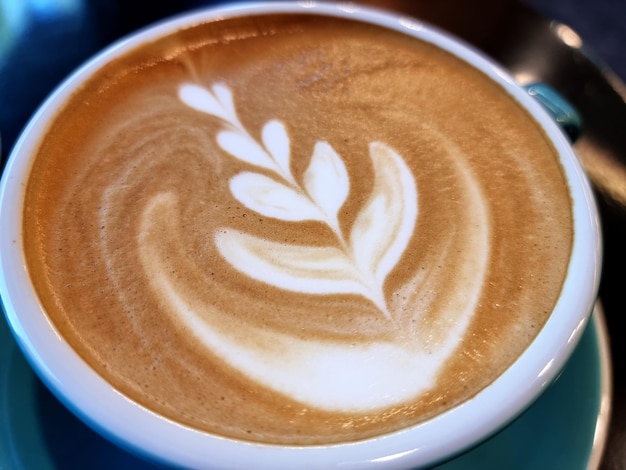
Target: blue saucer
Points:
(565, 428)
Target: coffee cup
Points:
(281, 235)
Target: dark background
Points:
(42, 41)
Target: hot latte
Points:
(295, 229)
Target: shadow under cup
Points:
(147, 433)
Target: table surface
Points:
(42, 41)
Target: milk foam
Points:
(360, 264)
(329, 375)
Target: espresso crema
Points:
(296, 229)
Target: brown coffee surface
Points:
(131, 190)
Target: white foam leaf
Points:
(276, 141)
(381, 230)
(245, 148)
(201, 99)
(385, 225)
(326, 180)
(225, 98)
(270, 198)
(298, 268)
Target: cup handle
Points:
(563, 113)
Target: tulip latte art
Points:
(296, 229)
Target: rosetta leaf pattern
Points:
(327, 170)
(358, 264)
(271, 198)
(219, 103)
(313, 270)
(393, 200)
(276, 141)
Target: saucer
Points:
(565, 428)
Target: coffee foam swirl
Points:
(326, 374)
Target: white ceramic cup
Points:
(155, 437)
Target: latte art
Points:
(296, 229)
(330, 375)
(382, 229)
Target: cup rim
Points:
(75, 383)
